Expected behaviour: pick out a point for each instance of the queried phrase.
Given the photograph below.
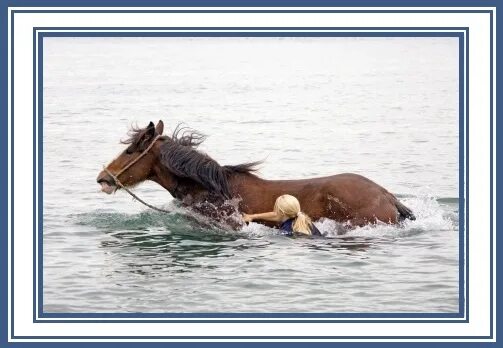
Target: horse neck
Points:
(240, 183)
(160, 174)
(179, 188)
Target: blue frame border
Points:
(265, 32)
(4, 43)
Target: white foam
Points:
(429, 216)
(258, 230)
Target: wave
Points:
(180, 222)
(431, 214)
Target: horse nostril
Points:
(101, 177)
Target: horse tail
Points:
(404, 212)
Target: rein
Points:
(118, 183)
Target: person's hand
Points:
(247, 218)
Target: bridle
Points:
(116, 176)
(118, 183)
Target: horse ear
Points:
(149, 132)
(159, 128)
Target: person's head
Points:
(289, 207)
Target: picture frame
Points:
(30, 318)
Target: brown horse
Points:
(200, 182)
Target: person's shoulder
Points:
(287, 225)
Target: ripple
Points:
(330, 116)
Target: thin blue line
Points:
(250, 315)
(247, 34)
(197, 315)
(251, 28)
(467, 156)
(252, 11)
(491, 255)
(40, 169)
(34, 173)
(255, 337)
(255, 321)
(461, 116)
(12, 174)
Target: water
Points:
(386, 108)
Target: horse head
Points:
(173, 162)
(136, 163)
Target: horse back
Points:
(342, 197)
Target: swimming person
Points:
(287, 211)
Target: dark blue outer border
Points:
(253, 3)
(146, 3)
(498, 163)
(3, 173)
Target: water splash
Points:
(430, 215)
(224, 216)
(254, 229)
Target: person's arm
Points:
(270, 216)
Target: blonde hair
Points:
(289, 206)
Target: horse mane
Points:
(180, 155)
(134, 134)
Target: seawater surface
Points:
(386, 108)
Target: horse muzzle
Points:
(107, 183)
